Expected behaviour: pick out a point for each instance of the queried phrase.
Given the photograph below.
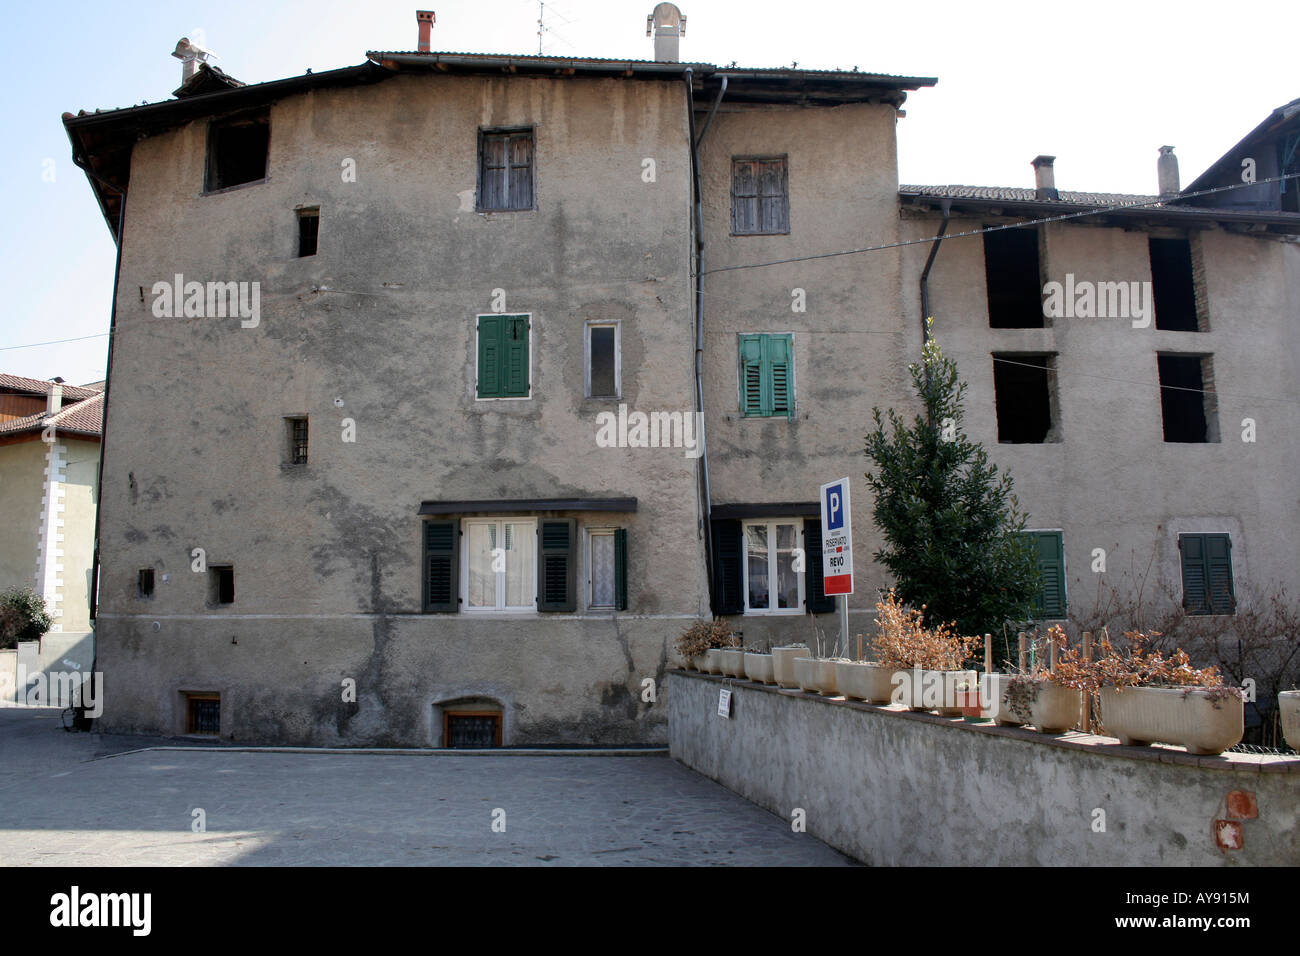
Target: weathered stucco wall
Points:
(21, 478)
(327, 555)
(78, 544)
(898, 789)
(1111, 481)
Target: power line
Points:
(80, 338)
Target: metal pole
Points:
(844, 624)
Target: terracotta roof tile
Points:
(37, 386)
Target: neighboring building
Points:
(49, 466)
(434, 288)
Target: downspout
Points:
(706, 492)
(82, 722)
(946, 206)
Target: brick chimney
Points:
(1167, 172)
(425, 19)
(1045, 178)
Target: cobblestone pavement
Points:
(65, 799)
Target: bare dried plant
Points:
(703, 635)
(902, 640)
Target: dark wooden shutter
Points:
(620, 569)
(815, 596)
(514, 349)
(492, 172)
(744, 197)
(728, 572)
(521, 171)
(1195, 583)
(751, 374)
(441, 578)
(1218, 563)
(778, 400)
(1049, 549)
(773, 200)
(556, 577)
(491, 360)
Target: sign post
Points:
(837, 549)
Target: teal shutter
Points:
(751, 375)
(441, 580)
(1207, 573)
(776, 359)
(766, 366)
(620, 569)
(1049, 549)
(490, 358)
(556, 577)
(815, 596)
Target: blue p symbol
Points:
(834, 510)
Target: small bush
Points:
(903, 641)
(703, 635)
(22, 617)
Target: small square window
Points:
(237, 150)
(603, 361)
(503, 356)
(297, 435)
(505, 180)
(203, 714)
(760, 201)
(471, 730)
(221, 584)
(144, 583)
(767, 375)
(308, 231)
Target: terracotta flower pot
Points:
(758, 667)
(1288, 702)
(1186, 716)
(864, 680)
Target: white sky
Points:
(1099, 85)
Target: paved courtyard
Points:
(86, 800)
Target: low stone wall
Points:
(53, 661)
(891, 787)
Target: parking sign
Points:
(837, 538)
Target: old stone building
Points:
(484, 401)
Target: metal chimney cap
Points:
(1043, 161)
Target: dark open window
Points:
(1187, 405)
(308, 231)
(602, 369)
(1011, 272)
(297, 440)
(144, 583)
(471, 729)
(760, 198)
(221, 584)
(237, 150)
(1172, 284)
(203, 713)
(505, 180)
(1023, 389)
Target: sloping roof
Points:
(1281, 115)
(85, 417)
(36, 386)
(1017, 194)
(207, 79)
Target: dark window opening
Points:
(1011, 272)
(144, 583)
(297, 441)
(760, 197)
(471, 730)
(237, 150)
(221, 584)
(203, 714)
(1172, 285)
(604, 380)
(1022, 390)
(1185, 402)
(308, 231)
(505, 179)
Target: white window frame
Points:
(770, 524)
(474, 358)
(499, 608)
(589, 596)
(617, 326)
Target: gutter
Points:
(946, 206)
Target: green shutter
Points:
(751, 375)
(556, 577)
(815, 596)
(728, 572)
(776, 362)
(514, 334)
(490, 358)
(620, 569)
(1049, 549)
(766, 370)
(1207, 573)
(441, 580)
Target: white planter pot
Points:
(933, 690)
(733, 662)
(699, 663)
(824, 672)
(713, 660)
(783, 664)
(805, 674)
(1186, 717)
(1054, 710)
(864, 680)
(758, 667)
(1288, 703)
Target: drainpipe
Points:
(82, 722)
(946, 206)
(706, 492)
